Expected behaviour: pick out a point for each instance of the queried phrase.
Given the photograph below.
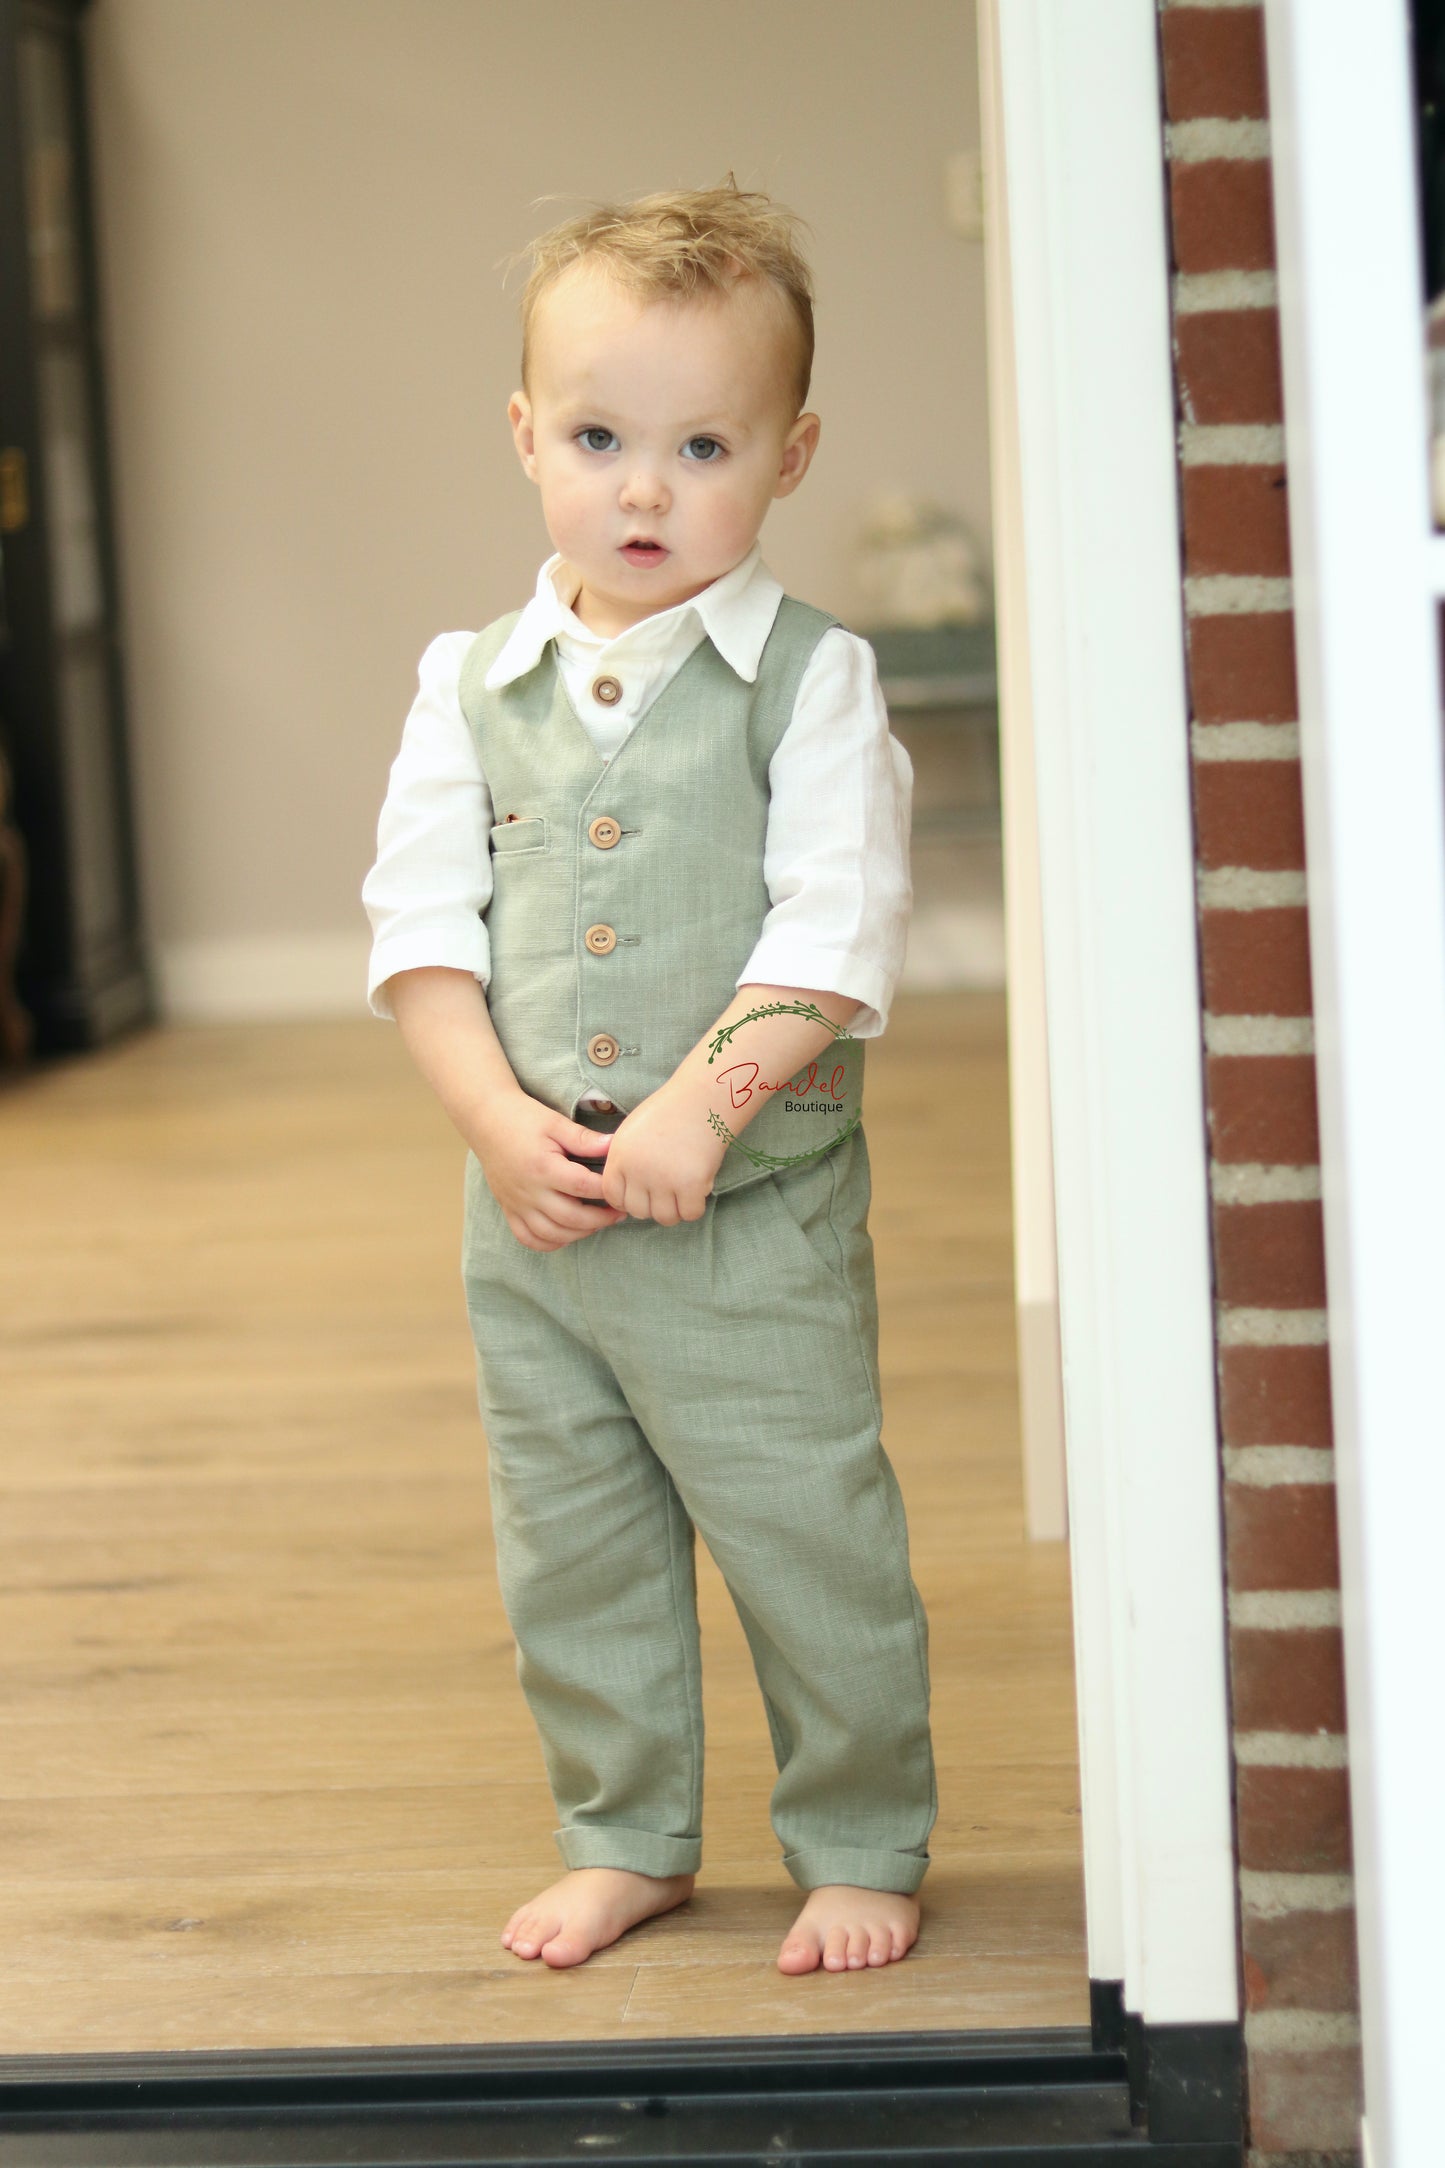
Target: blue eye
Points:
(586, 436)
(706, 459)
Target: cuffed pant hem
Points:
(640, 1850)
(901, 1871)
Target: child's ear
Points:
(519, 414)
(798, 448)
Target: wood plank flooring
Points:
(267, 1776)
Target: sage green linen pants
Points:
(718, 1376)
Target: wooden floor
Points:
(267, 1775)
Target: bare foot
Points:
(587, 1909)
(844, 1928)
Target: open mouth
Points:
(643, 552)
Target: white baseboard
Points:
(262, 981)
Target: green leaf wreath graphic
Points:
(720, 1039)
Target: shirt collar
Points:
(736, 613)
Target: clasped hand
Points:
(660, 1163)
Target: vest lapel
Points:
(676, 690)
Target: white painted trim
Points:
(1365, 564)
(1083, 154)
(261, 981)
(1036, 1265)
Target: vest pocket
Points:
(510, 839)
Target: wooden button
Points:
(604, 831)
(604, 1106)
(608, 690)
(600, 939)
(603, 1049)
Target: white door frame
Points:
(1367, 574)
(1035, 1241)
(1075, 162)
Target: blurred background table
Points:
(941, 686)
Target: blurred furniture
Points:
(17, 1027)
(80, 969)
(940, 684)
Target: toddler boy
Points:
(659, 804)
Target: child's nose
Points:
(644, 491)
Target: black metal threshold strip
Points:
(1030, 2099)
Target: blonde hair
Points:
(681, 243)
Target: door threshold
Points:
(1039, 2098)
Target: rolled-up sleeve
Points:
(836, 860)
(432, 878)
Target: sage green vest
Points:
(628, 894)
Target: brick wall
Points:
(1297, 1947)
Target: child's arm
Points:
(426, 896)
(774, 1046)
(427, 891)
(671, 1152)
(548, 1199)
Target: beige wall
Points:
(302, 205)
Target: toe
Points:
(880, 1946)
(800, 1953)
(857, 1947)
(564, 1949)
(835, 1949)
(533, 1933)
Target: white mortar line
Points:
(1301, 2029)
(1191, 142)
(1249, 888)
(1224, 594)
(1268, 1896)
(1244, 741)
(1241, 1327)
(1261, 1466)
(1196, 292)
(1259, 1034)
(1291, 1750)
(1231, 444)
(1284, 1610)
(1245, 1182)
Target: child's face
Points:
(662, 423)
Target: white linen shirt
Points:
(836, 852)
